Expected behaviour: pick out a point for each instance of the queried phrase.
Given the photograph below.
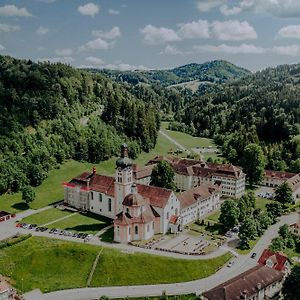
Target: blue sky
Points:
(144, 34)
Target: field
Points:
(46, 216)
(50, 264)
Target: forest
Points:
(235, 110)
(52, 112)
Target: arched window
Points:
(136, 229)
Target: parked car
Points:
(229, 234)
(253, 255)
(230, 264)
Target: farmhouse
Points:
(275, 260)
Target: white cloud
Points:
(279, 8)
(9, 28)
(227, 11)
(42, 31)
(95, 61)
(2, 47)
(233, 30)
(41, 48)
(199, 29)
(97, 44)
(65, 59)
(292, 50)
(113, 11)
(291, 31)
(124, 67)
(158, 35)
(207, 5)
(227, 49)
(64, 52)
(170, 50)
(110, 35)
(14, 11)
(89, 9)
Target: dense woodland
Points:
(261, 108)
(51, 112)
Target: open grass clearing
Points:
(50, 264)
(87, 223)
(47, 216)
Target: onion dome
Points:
(124, 161)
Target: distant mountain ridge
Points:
(217, 71)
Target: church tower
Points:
(124, 178)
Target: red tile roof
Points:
(142, 172)
(95, 182)
(245, 284)
(278, 174)
(277, 258)
(158, 196)
(201, 192)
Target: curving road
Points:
(241, 264)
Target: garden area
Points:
(46, 262)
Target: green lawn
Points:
(82, 223)
(262, 202)
(50, 264)
(51, 189)
(163, 146)
(46, 216)
(252, 243)
(189, 141)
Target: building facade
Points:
(276, 178)
(198, 202)
(190, 173)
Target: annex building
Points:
(138, 209)
(190, 173)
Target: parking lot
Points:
(265, 192)
(86, 237)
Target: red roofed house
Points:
(275, 260)
(198, 202)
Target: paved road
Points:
(241, 264)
